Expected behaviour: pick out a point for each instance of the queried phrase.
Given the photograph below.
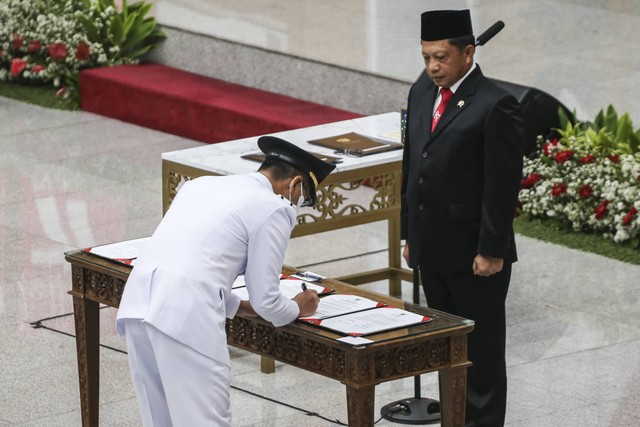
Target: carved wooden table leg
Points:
(360, 402)
(267, 365)
(395, 256)
(87, 322)
(453, 388)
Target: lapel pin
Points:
(460, 103)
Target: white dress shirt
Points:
(215, 229)
(454, 87)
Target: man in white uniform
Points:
(178, 296)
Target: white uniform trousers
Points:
(176, 386)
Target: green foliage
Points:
(43, 96)
(608, 134)
(129, 34)
(564, 119)
(550, 230)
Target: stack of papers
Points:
(356, 316)
(351, 315)
(373, 321)
(336, 305)
(125, 252)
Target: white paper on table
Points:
(336, 305)
(395, 136)
(239, 282)
(289, 288)
(292, 287)
(355, 341)
(241, 292)
(126, 251)
(373, 321)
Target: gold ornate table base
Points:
(437, 346)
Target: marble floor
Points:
(71, 180)
(577, 50)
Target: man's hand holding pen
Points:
(307, 301)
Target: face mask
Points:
(300, 200)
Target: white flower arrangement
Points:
(49, 42)
(588, 181)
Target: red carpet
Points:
(194, 106)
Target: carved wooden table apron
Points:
(336, 208)
(440, 345)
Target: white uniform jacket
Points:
(215, 229)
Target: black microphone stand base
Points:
(417, 409)
(412, 411)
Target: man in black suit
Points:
(462, 167)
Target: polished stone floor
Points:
(580, 51)
(71, 180)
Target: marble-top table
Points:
(360, 190)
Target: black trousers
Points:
(481, 299)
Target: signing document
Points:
(350, 315)
(336, 305)
(289, 287)
(373, 321)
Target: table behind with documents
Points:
(375, 178)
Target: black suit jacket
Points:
(460, 183)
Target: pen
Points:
(304, 286)
(324, 294)
(375, 148)
(308, 275)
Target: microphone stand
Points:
(417, 409)
(489, 33)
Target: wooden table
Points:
(377, 177)
(440, 345)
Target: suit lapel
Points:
(461, 100)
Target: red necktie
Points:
(446, 96)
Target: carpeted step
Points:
(194, 106)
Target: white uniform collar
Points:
(262, 179)
(267, 184)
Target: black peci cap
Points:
(445, 24)
(279, 149)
